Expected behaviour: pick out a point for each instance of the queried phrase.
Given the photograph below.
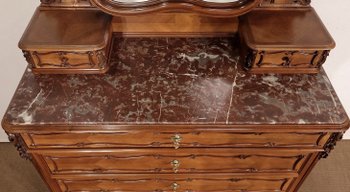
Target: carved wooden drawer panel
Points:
(175, 161)
(94, 60)
(175, 139)
(285, 3)
(271, 60)
(66, 41)
(66, 3)
(178, 183)
(284, 40)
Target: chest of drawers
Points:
(198, 123)
(173, 109)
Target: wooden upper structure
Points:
(175, 95)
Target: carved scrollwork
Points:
(250, 58)
(303, 2)
(287, 59)
(66, 3)
(19, 144)
(287, 3)
(323, 58)
(29, 58)
(91, 59)
(332, 142)
(47, 1)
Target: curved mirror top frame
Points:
(214, 8)
(212, 1)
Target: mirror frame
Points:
(209, 8)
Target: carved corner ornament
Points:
(20, 145)
(47, 1)
(250, 58)
(303, 2)
(28, 58)
(332, 142)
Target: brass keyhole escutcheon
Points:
(176, 164)
(176, 140)
(175, 187)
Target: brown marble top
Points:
(175, 81)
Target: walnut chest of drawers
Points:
(175, 114)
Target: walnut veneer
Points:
(177, 110)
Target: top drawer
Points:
(140, 139)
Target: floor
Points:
(330, 175)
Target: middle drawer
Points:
(174, 161)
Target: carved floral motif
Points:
(19, 144)
(332, 142)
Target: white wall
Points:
(15, 15)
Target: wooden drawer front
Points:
(176, 161)
(66, 3)
(67, 60)
(284, 3)
(177, 183)
(285, 60)
(174, 140)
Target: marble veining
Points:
(175, 81)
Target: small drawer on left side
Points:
(67, 41)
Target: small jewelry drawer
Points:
(284, 40)
(285, 3)
(67, 41)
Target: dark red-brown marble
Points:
(175, 81)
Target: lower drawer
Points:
(175, 161)
(174, 183)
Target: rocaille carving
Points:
(19, 144)
(332, 142)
